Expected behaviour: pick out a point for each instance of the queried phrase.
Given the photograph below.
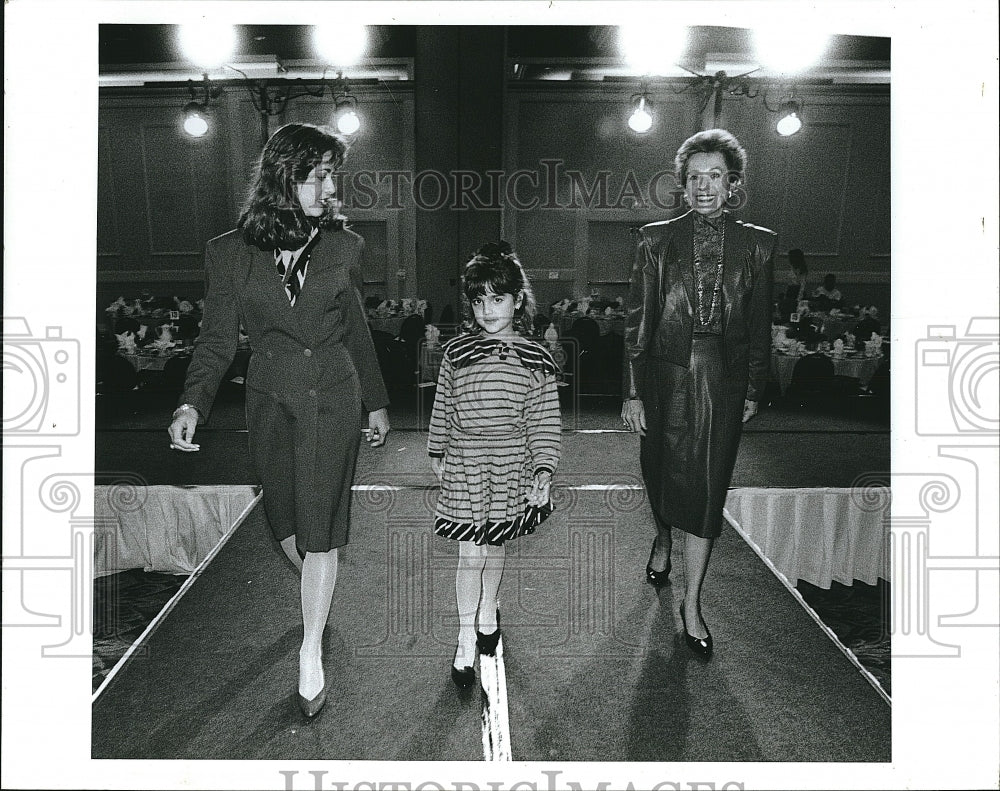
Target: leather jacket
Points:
(661, 302)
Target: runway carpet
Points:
(595, 670)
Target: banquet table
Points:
(169, 529)
(390, 324)
(834, 326)
(820, 535)
(152, 360)
(852, 364)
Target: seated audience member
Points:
(829, 291)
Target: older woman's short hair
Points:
(708, 142)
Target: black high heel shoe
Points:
(487, 643)
(700, 645)
(310, 708)
(657, 578)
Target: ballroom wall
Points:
(162, 194)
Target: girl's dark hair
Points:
(272, 218)
(708, 142)
(495, 267)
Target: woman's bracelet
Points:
(184, 407)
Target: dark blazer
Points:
(660, 310)
(298, 350)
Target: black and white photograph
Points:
(440, 395)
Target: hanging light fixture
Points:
(346, 115)
(195, 122)
(790, 122)
(196, 116)
(640, 121)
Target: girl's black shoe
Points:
(463, 677)
(700, 645)
(657, 578)
(487, 643)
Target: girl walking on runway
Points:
(494, 441)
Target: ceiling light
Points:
(195, 122)
(340, 45)
(346, 115)
(640, 121)
(789, 123)
(781, 52)
(652, 49)
(207, 45)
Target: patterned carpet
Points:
(126, 603)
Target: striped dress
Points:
(496, 424)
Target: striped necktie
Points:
(294, 277)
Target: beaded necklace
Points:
(717, 289)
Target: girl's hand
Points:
(539, 494)
(378, 428)
(749, 409)
(437, 464)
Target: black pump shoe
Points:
(310, 708)
(487, 643)
(700, 645)
(657, 578)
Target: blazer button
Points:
(307, 352)
(312, 393)
(270, 354)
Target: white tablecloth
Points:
(859, 367)
(817, 535)
(163, 528)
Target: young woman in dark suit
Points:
(290, 274)
(697, 345)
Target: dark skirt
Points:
(694, 418)
(304, 448)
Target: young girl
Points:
(494, 441)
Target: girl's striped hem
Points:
(493, 533)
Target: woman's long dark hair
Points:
(272, 218)
(496, 268)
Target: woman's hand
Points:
(437, 464)
(749, 409)
(378, 428)
(182, 430)
(634, 416)
(539, 494)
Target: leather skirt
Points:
(694, 419)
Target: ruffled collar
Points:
(468, 349)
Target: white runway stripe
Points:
(495, 717)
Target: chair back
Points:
(587, 333)
(813, 374)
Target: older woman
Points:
(697, 341)
(289, 273)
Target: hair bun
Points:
(495, 249)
